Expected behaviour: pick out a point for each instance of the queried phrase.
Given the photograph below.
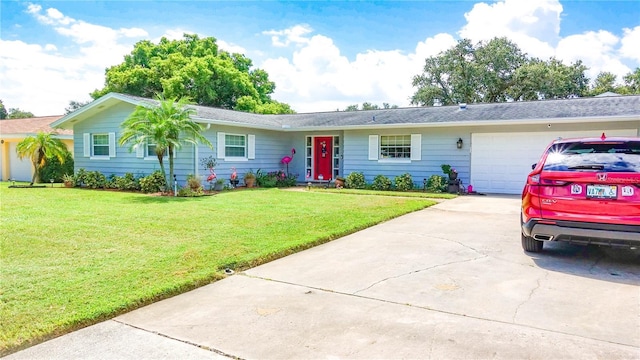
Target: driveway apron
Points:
(447, 282)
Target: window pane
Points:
(395, 146)
(235, 145)
(100, 145)
(234, 151)
(151, 150)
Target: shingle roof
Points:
(30, 126)
(513, 112)
(527, 110)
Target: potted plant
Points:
(449, 171)
(339, 182)
(250, 179)
(68, 180)
(219, 185)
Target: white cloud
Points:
(230, 47)
(533, 25)
(294, 35)
(319, 78)
(42, 80)
(597, 50)
(631, 44)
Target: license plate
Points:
(602, 191)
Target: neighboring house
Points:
(491, 145)
(15, 130)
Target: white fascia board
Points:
(468, 123)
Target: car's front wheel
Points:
(530, 244)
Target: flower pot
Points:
(339, 183)
(218, 186)
(453, 175)
(250, 182)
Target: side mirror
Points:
(533, 166)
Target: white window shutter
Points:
(251, 146)
(373, 147)
(416, 147)
(140, 150)
(112, 144)
(86, 144)
(220, 145)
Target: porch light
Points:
(459, 143)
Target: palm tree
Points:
(167, 126)
(40, 147)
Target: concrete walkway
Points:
(448, 282)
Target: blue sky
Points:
(322, 55)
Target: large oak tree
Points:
(194, 68)
(494, 71)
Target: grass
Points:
(415, 194)
(73, 257)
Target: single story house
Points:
(492, 146)
(12, 131)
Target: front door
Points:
(323, 157)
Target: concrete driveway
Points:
(448, 282)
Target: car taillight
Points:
(553, 182)
(534, 179)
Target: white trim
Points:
(374, 147)
(394, 161)
(112, 144)
(221, 143)
(105, 157)
(140, 150)
(235, 159)
(86, 144)
(246, 150)
(416, 147)
(251, 146)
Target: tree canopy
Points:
(193, 68)
(607, 82)
(494, 71)
(165, 126)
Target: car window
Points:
(615, 156)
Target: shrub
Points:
(275, 179)
(153, 183)
(355, 180)
(54, 170)
(95, 180)
(404, 182)
(194, 182)
(437, 183)
(187, 191)
(80, 176)
(381, 182)
(128, 182)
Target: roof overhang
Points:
(472, 123)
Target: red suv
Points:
(584, 191)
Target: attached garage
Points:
(20, 169)
(500, 162)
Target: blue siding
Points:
(438, 146)
(124, 161)
(270, 147)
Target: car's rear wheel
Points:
(530, 244)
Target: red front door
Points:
(323, 158)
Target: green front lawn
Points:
(73, 257)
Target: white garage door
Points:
(500, 162)
(20, 170)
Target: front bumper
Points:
(583, 233)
